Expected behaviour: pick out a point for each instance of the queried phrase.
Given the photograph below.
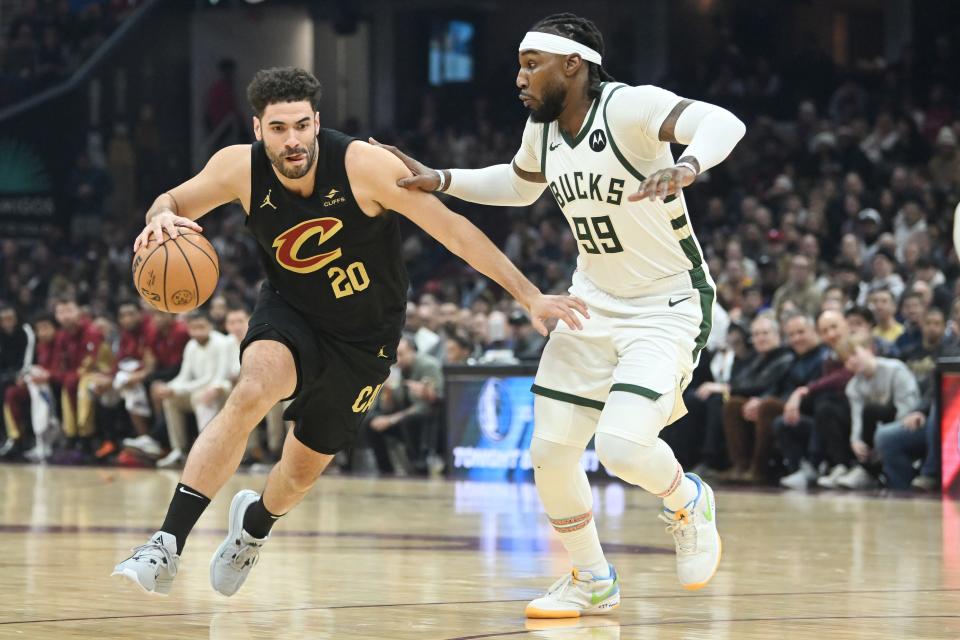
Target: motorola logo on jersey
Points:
(289, 244)
(598, 140)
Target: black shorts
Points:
(337, 380)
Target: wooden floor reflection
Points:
(382, 559)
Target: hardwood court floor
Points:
(378, 559)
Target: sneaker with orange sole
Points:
(577, 594)
(694, 531)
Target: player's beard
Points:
(551, 104)
(294, 172)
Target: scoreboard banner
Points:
(489, 418)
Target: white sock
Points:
(579, 537)
(682, 496)
(568, 501)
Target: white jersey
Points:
(624, 246)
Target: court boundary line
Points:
(698, 621)
(469, 602)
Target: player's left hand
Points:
(663, 183)
(545, 307)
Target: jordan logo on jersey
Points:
(289, 243)
(575, 186)
(266, 201)
(598, 140)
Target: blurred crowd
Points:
(46, 40)
(828, 232)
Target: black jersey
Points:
(322, 255)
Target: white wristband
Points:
(688, 165)
(443, 179)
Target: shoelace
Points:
(247, 555)
(152, 548)
(683, 532)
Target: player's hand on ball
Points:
(663, 183)
(544, 308)
(424, 178)
(166, 221)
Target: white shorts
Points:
(647, 345)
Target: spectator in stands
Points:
(846, 275)
(834, 298)
(75, 349)
(821, 401)
(204, 366)
(426, 339)
(884, 274)
(758, 385)
(884, 307)
(16, 355)
(527, 343)
(97, 381)
(133, 364)
(930, 281)
(167, 343)
(166, 338)
(945, 165)
(917, 435)
(459, 349)
(698, 437)
(881, 390)
(799, 288)
(407, 412)
(912, 308)
(217, 310)
(33, 391)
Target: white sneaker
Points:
(802, 478)
(172, 460)
(858, 478)
(239, 552)
(153, 566)
(829, 481)
(694, 530)
(578, 594)
(37, 454)
(146, 444)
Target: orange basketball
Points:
(178, 275)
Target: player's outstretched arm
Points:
(503, 185)
(224, 179)
(374, 174)
(653, 114)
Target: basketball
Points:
(177, 275)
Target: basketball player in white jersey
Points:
(602, 148)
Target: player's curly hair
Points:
(584, 31)
(282, 84)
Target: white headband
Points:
(550, 43)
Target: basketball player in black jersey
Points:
(329, 315)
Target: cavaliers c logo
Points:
(289, 242)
